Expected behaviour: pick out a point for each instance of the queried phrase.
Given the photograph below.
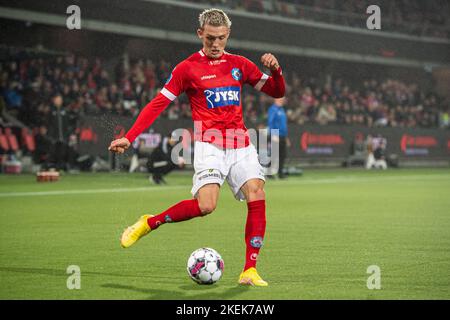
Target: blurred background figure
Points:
(43, 148)
(376, 152)
(380, 155)
(160, 162)
(277, 120)
(370, 159)
(58, 132)
(357, 151)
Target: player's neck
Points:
(211, 58)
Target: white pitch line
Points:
(352, 179)
(86, 191)
(303, 181)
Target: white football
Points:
(205, 266)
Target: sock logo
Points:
(254, 256)
(256, 242)
(167, 218)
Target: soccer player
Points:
(213, 79)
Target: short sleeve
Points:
(175, 84)
(252, 74)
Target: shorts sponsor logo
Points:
(236, 74)
(209, 175)
(256, 242)
(223, 96)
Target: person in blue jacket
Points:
(277, 119)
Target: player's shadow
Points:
(44, 271)
(204, 292)
(63, 272)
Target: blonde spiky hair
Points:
(214, 17)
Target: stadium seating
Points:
(4, 145)
(28, 140)
(424, 18)
(384, 102)
(12, 140)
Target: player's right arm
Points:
(173, 87)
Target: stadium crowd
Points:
(33, 89)
(417, 17)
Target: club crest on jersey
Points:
(236, 74)
(223, 96)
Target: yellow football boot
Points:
(135, 232)
(252, 278)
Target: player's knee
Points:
(207, 207)
(257, 193)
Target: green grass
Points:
(323, 231)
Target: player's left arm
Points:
(272, 85)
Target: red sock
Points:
(183, 210)
(255, 229)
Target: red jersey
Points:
(214, 89)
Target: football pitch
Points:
(324, 230)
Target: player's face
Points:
(214, 39)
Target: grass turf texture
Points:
(323, 231)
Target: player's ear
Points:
(200, 33)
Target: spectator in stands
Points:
(2, 108)
(326, 114)
(444, 119)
